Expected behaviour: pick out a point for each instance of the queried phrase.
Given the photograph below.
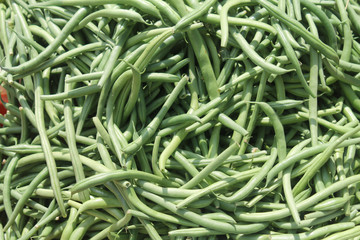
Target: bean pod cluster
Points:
(154, 119)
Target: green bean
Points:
(215, 19)
(167, 10)
(296, 26)
(307, 235)
(168, 62)
(350, 95)
(202, 162)
(38, 31)
(340, 75)
(278, 128)
(174, 120)
(150, 49)
(169, 192)
(255, 112)
(160, 77)
(148, 132)
(253, 182)
(212, 166)
(3, 37)
(353, 17)
(156, 214)
(197, 219)
(308, 222)
(81, 230)
(15, 194)
(287, 184)
(56, 231)
(331, 204)
(11, 109)
(39, 157)
(63, 57)
(217, 186)
(304, 154)
(320, 159)
(21, 26)
(50, 161)
(52, 47)
(6, 122)
(115, 138)
(352, 232)
(194, 232)
(228, 122)
(292, 57)
(346, 31)
(110, 13)
(74, 93)
(42, 222)
(95, 213)
(214, 55)
(70, 137)
(42, 175)
(191, 16)
(245, 76)
(135, 86)
(7, 185)
(70, 224)
(278, 214)
(178, 66)
(170, 148)
(224, 18)
(209, 144)
(254, 56)
(285, 104)
(325, 22)
(143, 6)
(119, 175)
(80, 139)
(24, 130)
(49, 107)
(319, 185)
(30, 42)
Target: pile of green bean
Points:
(154, 119)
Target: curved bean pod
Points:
(52, 47)
(110, 13)
(301, 206)
(205, 222)
(254, 181)
(118, 176)
(299, 29)
(144, 6)
(304, 154)
(149, 131)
